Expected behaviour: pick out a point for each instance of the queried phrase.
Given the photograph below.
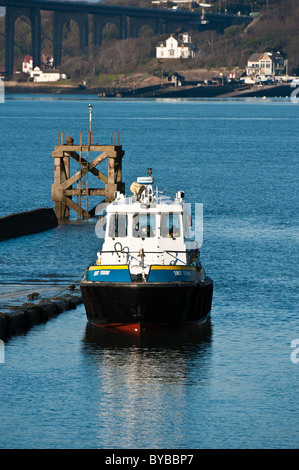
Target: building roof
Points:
(27, 58)
(258, 55)
(255, 57)
(179, 41)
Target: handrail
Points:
(159, 252)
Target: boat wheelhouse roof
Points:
(131, 205)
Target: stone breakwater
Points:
(21, 318)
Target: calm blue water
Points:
(231, 385)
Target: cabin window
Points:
(144, 225)
(170, 225)
(118, 225)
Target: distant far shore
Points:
(155, 91)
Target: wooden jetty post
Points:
(67, 187)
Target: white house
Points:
(48, 76)
(174, 48)
(44, 74)
(27, 64)
(267, 64)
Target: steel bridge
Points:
(128, 21)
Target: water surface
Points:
(230, 385)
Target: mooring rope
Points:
(67, 287)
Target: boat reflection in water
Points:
(167, 356)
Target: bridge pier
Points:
(135, 23)
(128, 26)
(100, 21)
(59, 19)
(35, 19)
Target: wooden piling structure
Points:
(67, 187)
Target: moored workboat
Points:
(148, 272)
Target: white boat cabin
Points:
(145, 229)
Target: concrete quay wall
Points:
(25, 223)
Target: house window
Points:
(161, 53)
(171, 52)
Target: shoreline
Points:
(155, 91)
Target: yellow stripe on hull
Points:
(154, 266)
(113, 266)
(173, 267)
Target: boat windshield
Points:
(170, 225)
(118, 225)
(144, 225)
